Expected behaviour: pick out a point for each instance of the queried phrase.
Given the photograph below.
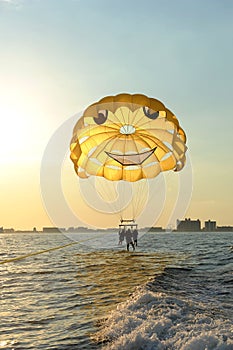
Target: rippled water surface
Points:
(60, 299)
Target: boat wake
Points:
(179, 310)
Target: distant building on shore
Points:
(188, 225)
(51, 229)
(224, 228)
(8, 230)
(1, 229)
(156, 229)
(210, 226)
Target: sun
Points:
(14, 133)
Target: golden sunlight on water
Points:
(109, 278)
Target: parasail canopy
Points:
(127, 137)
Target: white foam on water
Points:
(158, 321)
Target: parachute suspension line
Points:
(132, 214)
(106, 187)
(155, 192)
(123, 194)
(137, 193)
(122, 201)
(140, 196)
(148, 192)
(133, 200)
(133, 208)
(133, 185)
(129, 174)
(140, 189)
(133, 196)
(101, 187)
(169, 178)
(144, 195)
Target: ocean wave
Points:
(156, 317)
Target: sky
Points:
(57, 57)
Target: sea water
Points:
(174, 292)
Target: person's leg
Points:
(128, 246)
(132, 245)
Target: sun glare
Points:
(14, 133)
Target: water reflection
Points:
(108, 277)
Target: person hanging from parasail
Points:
(121, 236)
(135, 237)
(129, 239)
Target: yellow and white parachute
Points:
(127, 137)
